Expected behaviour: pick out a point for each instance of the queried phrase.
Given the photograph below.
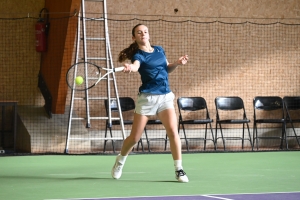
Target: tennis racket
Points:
(85, 75)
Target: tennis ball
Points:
(79, 80)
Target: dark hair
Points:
(129, 52)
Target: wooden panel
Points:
(58, 57)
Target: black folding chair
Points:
(292, 108)
(197, 108)
(235, 114)
(271, 110)
(127, 104)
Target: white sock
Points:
(178, 165)
(122, 159)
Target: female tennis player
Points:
(155, 96)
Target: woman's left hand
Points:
(183, 60)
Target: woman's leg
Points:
(168, 118)
(139, 123)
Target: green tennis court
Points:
(56, 143)
(88, 176)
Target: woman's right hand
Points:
(127, 68)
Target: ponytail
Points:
(128, 53)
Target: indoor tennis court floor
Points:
(227, 176)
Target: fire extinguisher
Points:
(41, 31)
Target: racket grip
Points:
(118, 69)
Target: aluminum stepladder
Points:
(82, 36)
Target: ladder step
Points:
(94, 58)
(95, 39)
(82, 118)
(95, 98)
(94, 19)
(96, 138)
(99, 98)
(113, 118)
(79, 98)
(94, 0)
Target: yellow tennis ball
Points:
(79, 80)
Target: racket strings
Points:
(89, 73)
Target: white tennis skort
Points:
(152, 104)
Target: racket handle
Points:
(118, 69)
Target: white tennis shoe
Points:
(181, 176)
(116, 171)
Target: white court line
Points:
(94, 174)
(216, 197)
(132, 197)
(66, 174)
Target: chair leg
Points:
(282, 136)
(216, 136)
(166, 142)
(298, 140)
(205, 136)
(186, 141)
(142, 145)
(148, 142)
(296, 136)
(255, 136)
(249, 136)
(112, 141)
(105, 141)
(243, 138)
(138, 145)
(285, 136)
(212, 136)
(222, 137)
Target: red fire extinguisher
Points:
(41, 31)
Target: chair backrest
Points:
(229, 103)
(126, 103)
(292, 102)
(191, 103)
(267, 103)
